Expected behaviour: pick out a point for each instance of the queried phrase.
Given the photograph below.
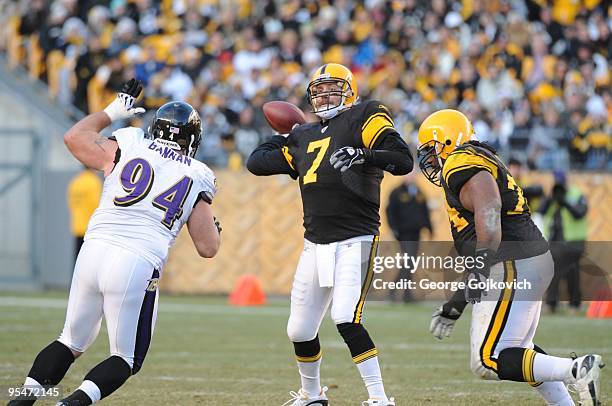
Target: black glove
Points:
(218, 225)
(346, 157)
(122, 107)
(479, 272)
(132, 88)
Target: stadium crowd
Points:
(533, 75)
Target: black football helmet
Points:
(177, 125)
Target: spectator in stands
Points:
(407, 215)
(549, 142)
(83, 196)
(565, 226)
(531, 192)
(505, 61)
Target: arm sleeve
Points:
(391, 154)
(272, 158)
(377, 121)
(207, 186)
(460, 166)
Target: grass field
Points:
(207, 353)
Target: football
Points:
(282, 115)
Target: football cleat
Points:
(300, 398)
(20, 402)
(585, 379)
(379, 402)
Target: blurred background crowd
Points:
(533, 75)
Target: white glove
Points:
(123, 106)
(442, 324)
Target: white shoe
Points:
(585, 379)
(300, 398)
(379, 402)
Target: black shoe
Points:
(78, 398)
(21, 402)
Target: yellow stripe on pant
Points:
(528, 359)
(365, 356)
(314, 358)
(367, 281)
(498, 319)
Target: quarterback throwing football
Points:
(152, 187)
(490, 221)
(339, 162)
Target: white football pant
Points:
(118, 284)
(512, 321)
(310, 300)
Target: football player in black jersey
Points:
(490, 222)
(339, 163)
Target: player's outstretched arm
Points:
(270, 159)
(204, 230)
(90, 147)
(480, 195)
(84, 139)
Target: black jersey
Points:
(520, 236)
(339, 205)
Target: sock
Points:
(107, 376)
(548, 368)
(363, 350)
(32, 383)
(527, 365)
(92, 390)
(308, 354)
(555, 393)
(310, 377)
(372, 378)
(51, 364)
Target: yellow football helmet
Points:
(345, 90)
(439, 135)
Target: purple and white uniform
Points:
(146, 200)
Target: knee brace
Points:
(299, 332)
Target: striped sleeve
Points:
(376, 122)
(460, 166)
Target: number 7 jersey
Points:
(148, 196)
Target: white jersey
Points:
(148, 196)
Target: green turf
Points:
(204, 352)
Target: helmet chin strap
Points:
(190, 147)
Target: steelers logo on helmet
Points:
(332, 89)
(178, 126)
(439, 135)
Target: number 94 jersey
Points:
(148, 196)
